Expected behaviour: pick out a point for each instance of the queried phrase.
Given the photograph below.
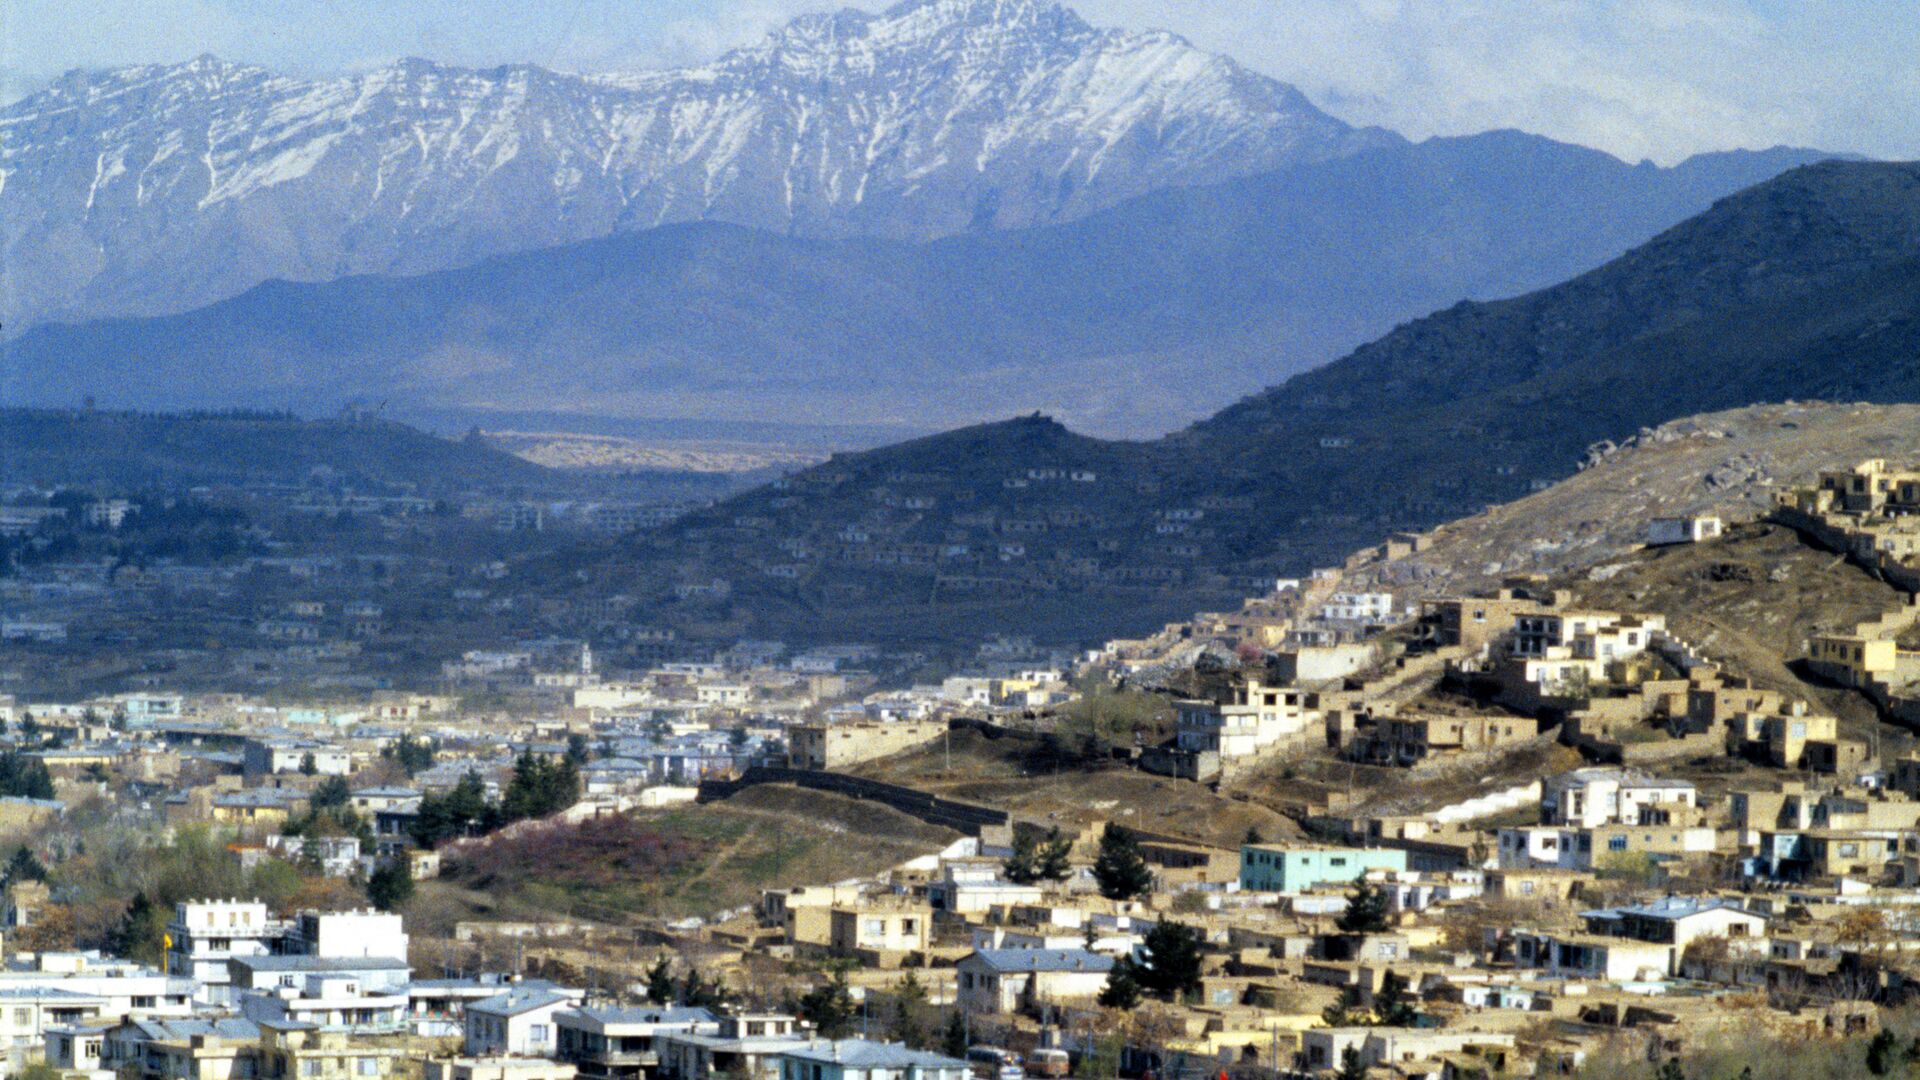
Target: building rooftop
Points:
(518, 1000)
(609, 1014)
(862, 1053)
(320, 963)
(1014, 960)
(1671, 907)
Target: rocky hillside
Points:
(1727, 463)
(1804, 287)
(1132, 321)
(162, 187)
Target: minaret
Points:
(586, 659)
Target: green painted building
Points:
(1297, 868)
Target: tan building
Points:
(1473, 622)
(836, 746)
(1852, 659)
(1408, 740)
(1536, 883)
(879, 935)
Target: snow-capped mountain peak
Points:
(163, 186)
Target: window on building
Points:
(1616, 843)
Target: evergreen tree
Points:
(24, 777)
(1351, 1067)
(1119, 869)
(1367, 911)
(910, 1011)
(829, 1007)
(1253, 836)
(1023, 866)
(1671, 1071)
(1392, 1004)
(415, 756)
(1882, 1053)
(460, 812)
(1169, 963)
(24, 866)
(697, 993)
(332, 792)
(141, 933)
(540, 786)
(1123, 989)
(1345, 1011)
(953, 1041)
(390, 886)
(1052, 857)
(660, 986)
(308, 766)
(564, 789)
(467, 802)
(577, 751)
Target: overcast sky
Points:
(1640, 78)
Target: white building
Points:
(520, 1021)
(1683, 530)
(1602, 796)
(205, 934)
(1257, 719)
(1009, 980)
(332, 1001)
(1358, 607)
(348, 934)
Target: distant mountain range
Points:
(160, 188)
(1130, 321)
(1804, 287)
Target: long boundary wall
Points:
(969, 818)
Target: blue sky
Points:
(1640, 78)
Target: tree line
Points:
(541, 785)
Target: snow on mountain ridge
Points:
(160, 187)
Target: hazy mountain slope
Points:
(163, 187)
(1130, 321)
(1806, 286)
(127, 450)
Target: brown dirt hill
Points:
(689, 860)
(1727, 463)
(1749, 602)
(1004, 773)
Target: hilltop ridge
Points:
(1803, 287)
